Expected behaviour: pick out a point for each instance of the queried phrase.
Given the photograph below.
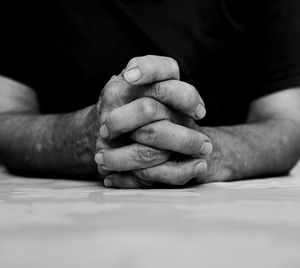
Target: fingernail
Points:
(104, 132)
(200, 111)
(101, 171)
(108, 182)
(132, 75)
(200, 168)
(105, 168)
(99, 159)
(206, 148)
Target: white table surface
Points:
(60, 223)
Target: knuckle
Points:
(111, 89)
(145, 174)
(189, 97)
(189, 94)
(106, 88)
(112, 81)
(149, 67)
(144, 62)
(187, 142)
(133, 61)
(149, 58)
(148, 108)
(144, 154)
(192, 91)
(150, 135)
(111, 121)
(163, 91)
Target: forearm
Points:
(266, 148)
(49, 144)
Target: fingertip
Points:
(206, 148)
(108, 182)
(200, 112)
(102, 171)
(200, 168)
(99, 158)
(104, 133)
(121, 181)
(150, 68)
(132, 75)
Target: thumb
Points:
(151, 69)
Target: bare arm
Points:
(267, 144)
(44, 144)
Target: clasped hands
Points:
(147, 133)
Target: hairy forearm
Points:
(49, 144)
(267, 148)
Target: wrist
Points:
(220, 166)
(85, 143)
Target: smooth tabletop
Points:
(68, 223)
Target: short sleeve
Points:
(18, 42)
(273, 45)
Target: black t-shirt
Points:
(232, 51)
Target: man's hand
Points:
(157, 112)
(266, 145)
